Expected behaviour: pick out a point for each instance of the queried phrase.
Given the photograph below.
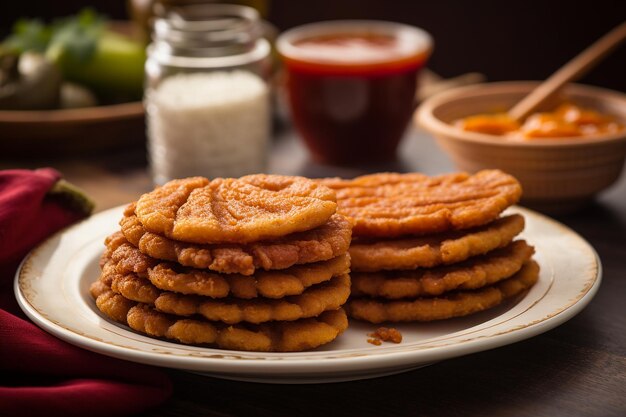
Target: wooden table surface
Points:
(577, 369)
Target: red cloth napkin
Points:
(39, 374)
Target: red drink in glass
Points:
(352, 85)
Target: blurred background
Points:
(504, 40)
(102, 140)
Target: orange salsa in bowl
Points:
(566, 121)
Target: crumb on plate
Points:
(384, 334)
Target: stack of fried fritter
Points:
(430, 248)
(257, 263)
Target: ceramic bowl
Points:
(557, 174)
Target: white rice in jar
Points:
(214, 124)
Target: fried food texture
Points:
(326, 296)
(385, 334)
(315, 300)
(474, 273)
(275, 336)
(390, 205)
(328, 241)
(113, 305)
(268, 284)
(127, 260)
(426, 252)
(228, 210)
(126, 257)
(455, 304)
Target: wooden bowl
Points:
(556, 174)
(74, 132)
(71, 132)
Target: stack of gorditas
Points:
(258, 263)
(431, 248)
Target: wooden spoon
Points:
(571, 71)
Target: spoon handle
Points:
(571, 71)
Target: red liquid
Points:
(352, 105)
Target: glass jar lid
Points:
(208, 35)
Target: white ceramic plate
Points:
(52, 289)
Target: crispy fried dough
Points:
(322, 297)
(391, 205)
(113, 305)
(98, 287)
(244, 210)
(323, 243)
(429, 251)
(315, 300)
(384, 334)
(111, 243)
(126, 259)
(473, 273)
(268, 284)
(135, 288)
(456, 304)
(292, 336)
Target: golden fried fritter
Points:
(244, 210)
(311, 303)
(295, 336)
(268, 284)
(328, 241)
(291, 336)
(135, 288)
(471, 274)
(390, 205)
(429, 251)
(113, 305)
(455, 304)
(126, 259)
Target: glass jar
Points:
(207, 93)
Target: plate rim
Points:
(381, 360)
